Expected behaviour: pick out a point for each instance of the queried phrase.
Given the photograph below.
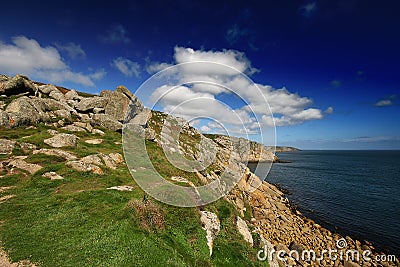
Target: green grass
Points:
(78, 222)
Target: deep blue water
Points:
(358, 192)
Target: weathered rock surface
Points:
(84, 167)
(72, 95)
(56, 152)
(94, 141)
(211, 225)
(6, 146)
(121, 188)
(52, 176)
(90, 103)
(16, 85)
(73, 128)
(23, 165)
(244, 230)
(106, 121)
(61, 140)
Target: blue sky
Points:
(338, 60)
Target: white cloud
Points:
(73, 50)
(383, 103)
(210, 82)
(329, 110)
(126, 66)
(28, 57)
(116, 34)
(234, 33)
(154, 67)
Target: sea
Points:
(355, 193)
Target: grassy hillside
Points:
(78, 222)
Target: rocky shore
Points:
(265, 218)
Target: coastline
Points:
(283, 227)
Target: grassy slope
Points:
(77, 222)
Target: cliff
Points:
(67, 196)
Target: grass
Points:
(78, 222)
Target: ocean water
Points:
(355, 193)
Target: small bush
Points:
(150, 216)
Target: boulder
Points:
(90, 103)
(99, 132)
(47, 88)
(16, 85)
(61, 140)
(211, 225)
(57, 95)
(141, 117)
(117, 106)
(53, 104)
(64, 114)
(84, 167)
(110, 163)
(6, 146)
(150, 134)
(23, 165)
(92, 159)
(72, 95)
(117, 157)
(4, 119)
(26, 111)
(106, 121)
(244, 230)
(26, 147)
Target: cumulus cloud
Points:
(28, 57)
(115, 34)
(212, 82)
(126, 66)
(73, 50)
(384, 103)
(154, 67)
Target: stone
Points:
(150, 134)
(56, 152)
(6, 146)
(94, 141)
(84, 125)
(92, 159)
(61, 140)
(106, 121)
(16, 85)
(117, 106)
(99, 132)
(52, 176)
(211, 225)
(4, 119)
(24, 111)
(57, 95)
(72, 95)
(106, 93)
(121, 188)
(90, 103)
(47, 88)
(122, 89)
(73, 128)
(244, 230)
(23, 165)
(84, 167)
(116, 157)
(64, 114)
(53, 104)
(141, 118)
(108, 161)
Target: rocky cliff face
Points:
(264, 217)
